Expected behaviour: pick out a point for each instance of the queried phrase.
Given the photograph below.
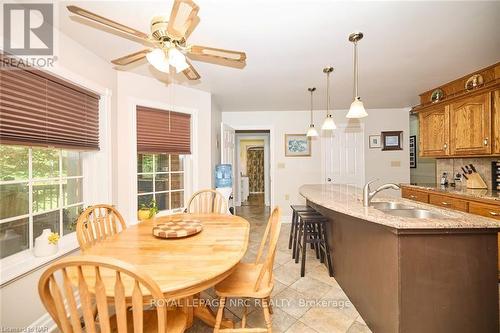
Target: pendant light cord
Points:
(355, 70)
(311, 106)
(327, 94)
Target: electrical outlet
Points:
(395, 163)
(287, 196)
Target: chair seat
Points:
(241, 283)
(302, 208)
(176, 321)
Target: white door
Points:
(228, 152)
(343, 156)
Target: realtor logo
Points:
(28, 29)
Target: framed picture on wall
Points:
(413, 151)
(374, 141)
(297, 145)
(392, 140)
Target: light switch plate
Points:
(281, 165)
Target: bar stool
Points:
(295, 221)
(312, 230)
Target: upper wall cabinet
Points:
(434, 136)
(464, 122)
(470, 126)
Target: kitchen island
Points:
(435, 274)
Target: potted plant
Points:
(147, 211)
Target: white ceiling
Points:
(409, 47)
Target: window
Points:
(161, 178)
(40, 188)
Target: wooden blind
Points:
(162, 131)
(42, 110)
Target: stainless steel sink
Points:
(383, 205)
(414, 213)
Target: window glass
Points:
(14, 200)
(14, 237)
(162, 201)
(14, 163)
(43, 221)
(177, 181)
(177, 199)
(70, 216)
(144, 199)
(71, 163)
(145, 183)
(45, 163)
(161, 163)
(145, 163)
(45, 196)
(176, 163)
(161, 182)
(72, 191)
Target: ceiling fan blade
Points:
(182, 18)
(191, 73)
(107, 22)
(218, 53)
(130, 58)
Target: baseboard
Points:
(45, 322)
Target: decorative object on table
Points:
(297, 145)
(413, 151)
(147, 211)
(474, 179)
(167, 41)
(177, 229)
(357, 109)
(392, 140)
(328, 123)
(374, 141)
(495, 175)
(311, 131)
(475, 81)
(437, 95)
(46, 244)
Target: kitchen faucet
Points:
(368, 196)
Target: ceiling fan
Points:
(167, 41)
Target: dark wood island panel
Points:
(416, 280)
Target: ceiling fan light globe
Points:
(328, 124)
(312, 132)
(158, 60)
(357, 109)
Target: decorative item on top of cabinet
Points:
(470, 126)
(434, 132)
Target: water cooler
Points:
(224, 183)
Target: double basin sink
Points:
(402, 210)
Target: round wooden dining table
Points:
(181, 267)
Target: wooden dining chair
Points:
(253, 280)
(97, 223)
(109, 281)
(206, 202)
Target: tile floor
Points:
(297, 306)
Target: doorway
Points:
(252, 168)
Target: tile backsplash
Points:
(453, 166)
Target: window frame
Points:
(169, 173)
(65, 239)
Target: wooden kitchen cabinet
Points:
(496, 122)
(414, 195)
(434, 132)
(491, 211)
(470, 126)
(448, 202)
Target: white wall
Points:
(215, 138)
(133, 90)
(292, 172)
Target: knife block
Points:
(475, 181)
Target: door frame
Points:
(266, 138)
(272, 153)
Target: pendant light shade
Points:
(328, 123)
(357, 109)
(311, 131)
(158, 59)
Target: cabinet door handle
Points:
(445, 203)
(494, 213)
(485, 141)
(445, 146)
(412, 196)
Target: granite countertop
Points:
(348, 199)
(485, 194)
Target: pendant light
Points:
(328, 123)
(311, 131)
(357, 109)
